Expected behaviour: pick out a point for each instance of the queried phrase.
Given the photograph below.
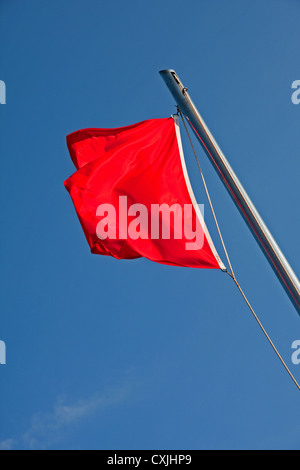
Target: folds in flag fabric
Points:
(133, 197)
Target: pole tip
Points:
(162, 72)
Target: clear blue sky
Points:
(104, 354)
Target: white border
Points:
(192, 196)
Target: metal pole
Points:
(257, 226)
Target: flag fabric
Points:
(133, 197)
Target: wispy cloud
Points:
(46, 429)
(7, 444)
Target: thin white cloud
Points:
(7, 444)
(46, 429)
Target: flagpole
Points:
(274, 255)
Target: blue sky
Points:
(104, 354)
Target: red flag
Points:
(133, 197)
